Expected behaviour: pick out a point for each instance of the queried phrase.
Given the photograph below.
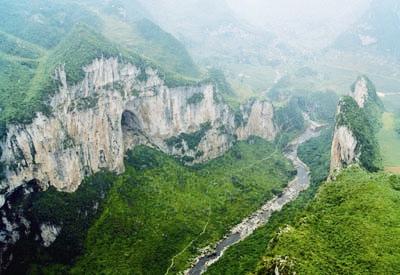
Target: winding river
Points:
(261, 216)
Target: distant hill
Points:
(377, 31)
(214, 36)
(42, 22)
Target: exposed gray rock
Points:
(345, 146)
(343, 152)
(116, 107)
(49, 233)
(360, 93)
(259, 121)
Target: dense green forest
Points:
(75, 211)
(359, 121)
(160, 213)
(351, 227)
(171, 211)
(160, 205)
(243, 257)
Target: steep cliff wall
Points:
(93, 124)
(343, 148)
(257, 118)
(116, 107)
(360, 91)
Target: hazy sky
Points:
(304, 23)
(263, 12)
(307, 24)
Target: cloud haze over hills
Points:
(302, 20)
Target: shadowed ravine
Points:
(261, 216)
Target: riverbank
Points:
(261, 217)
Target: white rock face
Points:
(49, 233)
(76, 140)
(259, 116)
(360, 93)
(116, 107)
(343, 151)
(344, 145)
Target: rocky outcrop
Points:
(210, 255)
(354, 138)
(343, 151)
(258, 120)
(114, 108)
(49, 233)
(95, 122)
(360, 91)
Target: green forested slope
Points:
(163, 48)
(243, 257)
(351, 227)
(360, 122)
(43, 22)
(154, 211)
(389, 140)
(37, 36)
(14, 46)
(160, 210)
(29, 82)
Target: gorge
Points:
(199, 137)
(261, 217)
(113, 109)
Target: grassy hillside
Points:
(15, 78)
(149, 40)
(163, 48)
(389, 140)
(160, 212)
(351, 227)
(79, 48)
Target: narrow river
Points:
(261, 216)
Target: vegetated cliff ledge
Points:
(117, 106)
(357, 122)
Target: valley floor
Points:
(261, 216)
(159, 213)
(243, 257)
(389, 141)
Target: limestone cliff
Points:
(360, 92)
(364, 93)
(356, 124)
(258, 117)
(114, 108)
(343, 152)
